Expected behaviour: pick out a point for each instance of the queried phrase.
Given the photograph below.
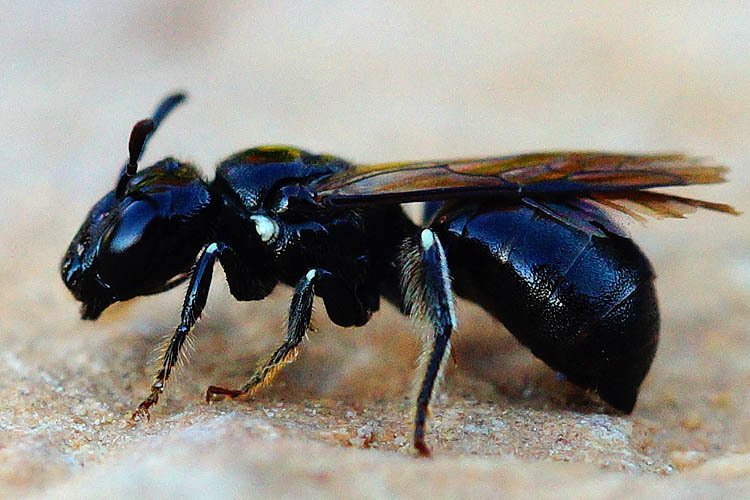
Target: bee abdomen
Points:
(585, 305)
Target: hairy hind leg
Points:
(428, 294)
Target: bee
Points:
(530, 238)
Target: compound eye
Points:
(131, 227)
(266, 227)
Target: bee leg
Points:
(195, 301)
(427, 294)
(300, 311)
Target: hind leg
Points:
(428, 295)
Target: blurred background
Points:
(372, 82)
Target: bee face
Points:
(79, 264)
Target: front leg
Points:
(427, 294)
(195, 301)
(300, 311)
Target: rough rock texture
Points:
(425, 82)
(338, 419)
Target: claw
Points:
(213, 391)
(422, 450)
(141, 413)
(143, 408)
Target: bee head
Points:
(140, 237)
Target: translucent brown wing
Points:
(589, 214)
(613, 180)
(517, 176)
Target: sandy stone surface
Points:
(373, 84)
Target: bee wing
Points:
(513, 177)
(590, 214)
(611, 180)
(642, 204)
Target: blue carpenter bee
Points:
(527, 237)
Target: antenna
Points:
(139, 137)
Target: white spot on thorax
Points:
(310, 275)
(266, 227)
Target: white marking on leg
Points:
(446, 278)
(428, 239)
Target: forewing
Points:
(513, 177)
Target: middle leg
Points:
(300, 311)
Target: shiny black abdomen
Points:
(584, 304)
